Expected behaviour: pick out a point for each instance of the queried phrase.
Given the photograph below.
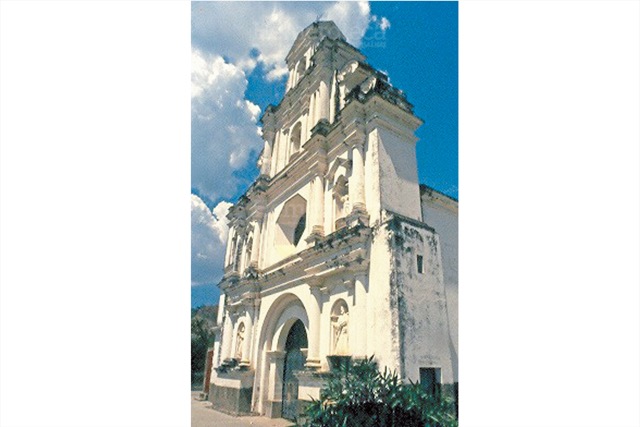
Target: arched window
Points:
(296, 136)
(302, 67)
(237, 257)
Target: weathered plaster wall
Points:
(420, 300)
(442, 215)
(445, 221)
(382, 322)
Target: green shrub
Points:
(359, 395)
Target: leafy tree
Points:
(202, 320)
(361, 396)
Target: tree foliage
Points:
(360, 395)
(202, 320)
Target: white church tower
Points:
(335, 252)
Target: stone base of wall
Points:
(274, 409)
(234, 401)
(302, 407)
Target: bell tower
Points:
(330, 240)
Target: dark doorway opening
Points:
(293, 361)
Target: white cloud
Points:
(208, 241)
(224, 132)
(352, 18)
(222, 28)
(382, 23)
(385, 24)
(229, 39)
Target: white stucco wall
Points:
(422, 303)
(442, 214)
(382, 340)
(399, 191)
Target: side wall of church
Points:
(407, 323)
(419, 298)
(442, 215)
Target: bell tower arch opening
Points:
(296, 137)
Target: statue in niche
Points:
(340, 329)
(239, 341)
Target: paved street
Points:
(203, 416)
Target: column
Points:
(274, 155)
(216, 350)
(289, 80)
(332, 99)
(283, 150)
(228, 256)
(312, 111)
(273, 407)
(316, 219)
(287, 148)
(324, 101)
(227, 337)
(253, 355)
(246, 344)
(313, 355)
(304, 132)
(266, 156)
(294, 77)
(265, 237)
(217, 346)
(357, 178)
(358, 320)
(255, 249)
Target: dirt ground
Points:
(203, 416)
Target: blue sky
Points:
(238, 69)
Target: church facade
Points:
(335, 252)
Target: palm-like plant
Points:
(359, 395)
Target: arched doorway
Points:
(277, 327)
(294, 360)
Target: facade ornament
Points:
(239, 341)
(340, 330)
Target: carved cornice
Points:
(344, 252)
